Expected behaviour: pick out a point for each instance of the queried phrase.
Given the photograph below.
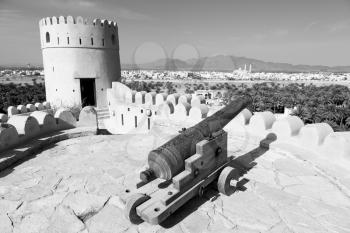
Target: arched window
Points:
(58, 40)
(113, 39)
(80, 41)
(67, 40)
(47, 37)
(103, 42)
(92, 41)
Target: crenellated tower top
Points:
(77, 32)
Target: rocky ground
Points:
(75, 185)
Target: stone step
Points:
(106, 110)
(103, 117)
(102, 110)
(103, 114)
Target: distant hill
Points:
(229, 63)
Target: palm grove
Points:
(311, 103)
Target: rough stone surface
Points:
(3, 118)
(88, 117)
(47, 105)
(65, 119)
(76, 186)
(5, 224)
(30, 107)
(314, 134)
(39, 106)
(12, 111)
(21, 109)
(8, 136)
(25, 125)
(46, 121)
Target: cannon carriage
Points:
(183, 167)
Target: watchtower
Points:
(81, 60)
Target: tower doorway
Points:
(88, 92)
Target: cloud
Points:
(125, 13)
(310, 26)
(259, 36)
(339, 26)
(86, 3)
(280, 32)
(233, 38)
(270, 33)
(9, 13)
(8, 16)
(81, 3)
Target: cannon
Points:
(183, 167)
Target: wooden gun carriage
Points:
(183, 167)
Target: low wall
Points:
(20, 128)
(318, 138)
(139, 110)
(25, 109)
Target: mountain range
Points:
(230, 63)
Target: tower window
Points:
(67, 40)
(113, 39)
(47, 37)
(103, 42)
(58, 40)
(92, 41)
(80, 41)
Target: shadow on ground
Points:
(243, 163)
(28, 149)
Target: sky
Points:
(311, 32)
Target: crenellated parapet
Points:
(290, 132)
(136, 111)
(21, 128)
(25, 109)
(77, 32)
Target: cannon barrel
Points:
(169, 159)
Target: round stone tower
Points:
(81, 60)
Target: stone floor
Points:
(74, 186)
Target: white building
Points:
(81, 60)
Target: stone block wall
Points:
(23, 124)
(135, 112)
(25, 110)
(290, 131)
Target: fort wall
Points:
(74, 49)
(26, 122)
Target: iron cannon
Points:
(183, 167)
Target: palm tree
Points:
(300, 112)
(347, 121)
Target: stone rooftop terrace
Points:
(75, 186)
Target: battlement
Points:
(138, 112)
(78, 32)
(78, 20)
(27, 123)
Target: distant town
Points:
(240, 74)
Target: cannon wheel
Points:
(226, 175)
(130, 208)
